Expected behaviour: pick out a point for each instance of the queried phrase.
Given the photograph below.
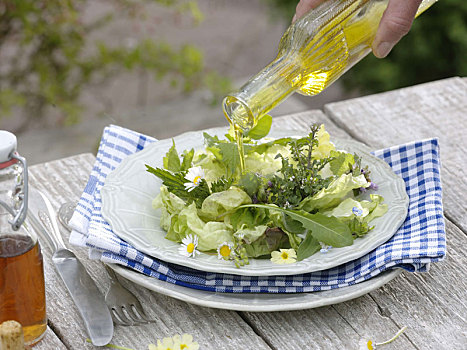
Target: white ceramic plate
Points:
(256, 302)
(129, 190)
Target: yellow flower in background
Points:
(165, 344)
(224, 251)
(185, 342)
(194, 176)
(284, 256)
(177, 342)
(189, 246)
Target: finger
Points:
(304, 6)
(395, 23)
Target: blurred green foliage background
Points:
(435, 48)
(48, 55)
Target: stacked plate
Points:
(325, 278)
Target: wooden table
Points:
(433, 305)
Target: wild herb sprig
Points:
(300, 180)
(175, 183)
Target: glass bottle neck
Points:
(260, 94)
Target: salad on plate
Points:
(296, 196)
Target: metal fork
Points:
(125, 308)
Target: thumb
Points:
(395, 23)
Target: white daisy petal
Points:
(189, 246)
(194, 176)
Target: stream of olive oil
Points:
(241, 150)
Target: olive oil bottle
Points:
(313, 53)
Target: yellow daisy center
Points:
(369, 345)
(182, 346)
(190, 247)
(284, 255)
(196, 180)
(225, 251)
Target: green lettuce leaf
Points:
(334, 193)
(220, 203)
(210, 234)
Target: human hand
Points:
(395, 23)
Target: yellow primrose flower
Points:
(165, 344)
(285, 256)
(194, 176)
(189, 245)
(185, 342)
(224, 251)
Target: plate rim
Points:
(258, 302)
(113, 184)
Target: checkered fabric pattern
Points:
(418, 242)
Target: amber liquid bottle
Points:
(22, 286)
(313, 53)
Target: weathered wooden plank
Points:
(436, 109)
(301, 121)
(50, 341)
(433, 305)
(213, 329)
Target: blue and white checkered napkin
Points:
(418, 242)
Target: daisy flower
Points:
(224, 250)
(285, 256)
(189, 245)
(194, 176)
(369, 345)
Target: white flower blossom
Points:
(224, 251)
(189, 245)
(194, 176)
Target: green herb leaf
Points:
(175, 183)
(309, 246)
(169, 179)
(230, 157)
(222, 184)
(261, 148)
(187, 159)
(171, 161)
(224, 151)
(261, 129)
(250, 183)
(329, 230)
